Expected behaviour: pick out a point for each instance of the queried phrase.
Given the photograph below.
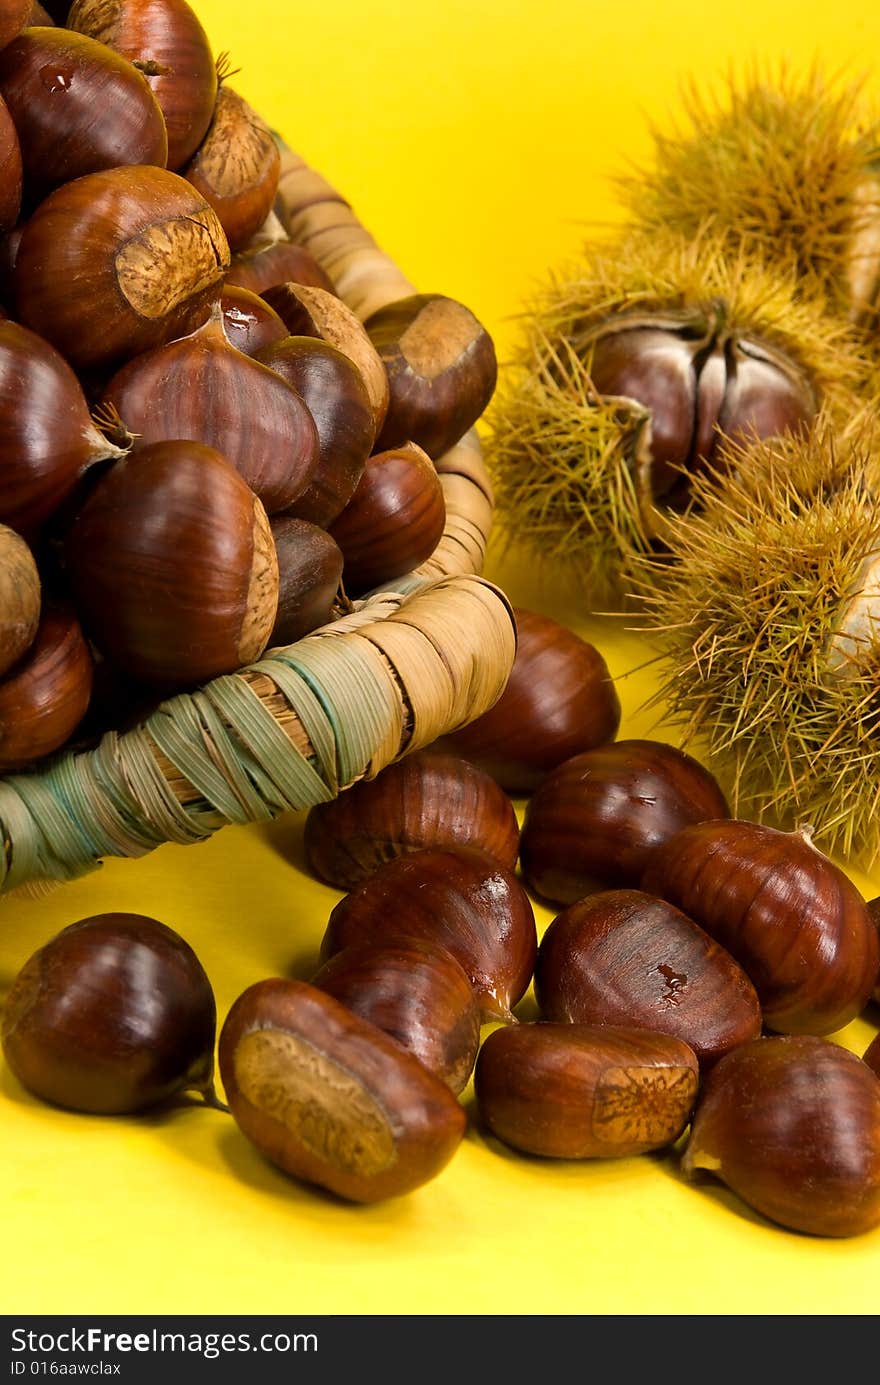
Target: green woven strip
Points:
(186, 736)
(285, 778)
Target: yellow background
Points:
(475, 139)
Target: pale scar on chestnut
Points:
(642, 1104)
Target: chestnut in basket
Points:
(309, 574)
(44, 697)
(393, 521)
(236, 167)
(20, 594)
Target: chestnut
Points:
(873, 907)
(393, 521)
(113, 1015)
(19, 598)
(118, 262)
(309, 574)
(14, 15)
(330, 1098)
(10, 170)
(560, 701)
(458, 898)
(248, 321)
(418, 993)
(279, 261)
(792, 1126)
(173, 566)
(334, 392)
(792, 919)
(426, 799)
(78, 107)
(44, 697)
(625, 957)
(871, 1055)
(441, 369)
(581, 1091)
(594, 820)
(236, 167)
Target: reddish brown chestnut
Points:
(113, 1015)
(393, 521)
(262, 266)
(44, 697)
(871, 1055)
(441, 370)
(560, 701)
(458, 898)
(330, 1098)
(173, 565)
(14, 15)
(873, 907)
(595, 819)
(579, 1091)
(334, 392)
(789, 915)
(248, 321)
(10, 170)
(624, 957)
(236, 167)
(19, 598)
(309, 573)
(418, 993)
(78, 107)
(426, 799)
(792, 1126)
(119, 262)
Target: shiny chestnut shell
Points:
(309, 574)
(248, 321)
(625, 957)
(44, 697)
(790, 916)
(426, 799)
(236, 167)
(594, 820)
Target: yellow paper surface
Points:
(475, 141)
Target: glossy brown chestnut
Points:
(47, 437)
(393, 521)
(871, 1055)
(14, 15)
(165, 40)
(560, 700)
(330, 1098)
(78, 107)
(792, 1126)
(594, 820)
(20, 594)
(119, 262)
(873, 907)
(199, 387)
(262, 266)
(9, 243)
(426, 799)
(625, 957)
(10, 170)
(44, 697)
(113, 1015)
(791, 917)
(459, 898)
(441, 370)
(335, 394)
(249, 322)
(173, 566)
(236, 167)
(580, 1091)
(313, 312)
(309, 573)
(418, 993)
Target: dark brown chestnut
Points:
(334, 392)
(200, 388)
(792, 1126)
(459, 898)
(441, 369)
(308, 311)
(393, 521)
(418, 993)
(119, 262)
(873, 907)
(560, 701)
(20, 595)
(44, 697)
(426, 799)
(249, 322)
(236, 167)
(173, 566)
(580, 1091)
(871, 1055)
(309, 574)
(10, 170)
(115, 1014)
(78, 107)
(265, 264)
(594, 820)
(625, 957)
(330, 1098)
(14, 15)
(165, 40)
(791, 917)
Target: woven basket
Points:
(306, 721)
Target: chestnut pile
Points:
(203, 452)
(692, 981)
